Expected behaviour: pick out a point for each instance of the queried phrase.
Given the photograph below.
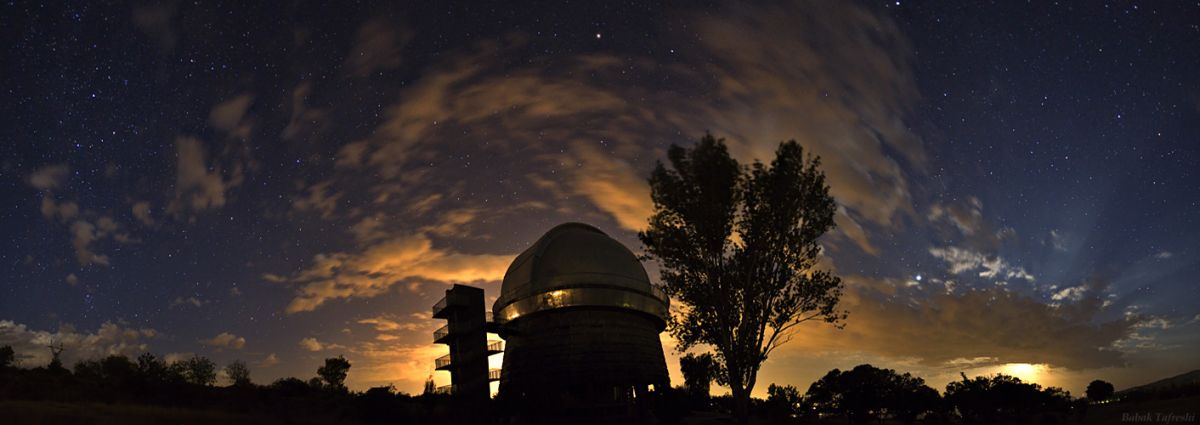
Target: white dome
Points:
(572, 255)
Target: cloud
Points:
(64, 211)
(110, 339)
(84, 234)
(49, 177)
(968, 219)
(376, 48)
(369, 229)
(311, 344)
(404, 364)
(269, 361)
(1058, 240)
(225, 340)
(193, 301)
(141, 211)
(833, 76)
(195, 185)
(154, 20)
(172, 358)
(839, 82)
(850, 228)
(990, 266)
(228, 116)
(964, 221)
(377, 268)
(304, 119)
(613, 186)
(454, 222)
(1074, 293)
(319, 198)
(387, 323)
(1153, 323)
(939, 328)
(1164, 255)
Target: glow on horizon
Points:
(1025, 371)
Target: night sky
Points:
(285, 183)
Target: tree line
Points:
(191, 383)
(867, 394)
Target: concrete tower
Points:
(580, 321)
(466, 335)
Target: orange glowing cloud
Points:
(377, 268)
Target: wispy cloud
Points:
(49, 177)
(379, 267)
(225, 340)
(377, 47)
(962, 260)
(312, 344)
(991, 325)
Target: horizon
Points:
(281, 186)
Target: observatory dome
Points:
(581, 324)
(575, 264)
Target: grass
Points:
(1103, 414)
(54, 413)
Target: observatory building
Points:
(580, 322)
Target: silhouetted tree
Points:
(198, 370)
(1099, 391)
(867, 392)
(291, 387)
(56, 350)
(698, 373)
(909, 398)
(238, 373)
(430, 388)
(7, 356)
(783, 402)
(119, 371)
(155, 369)
(1005, 399)
(334, 372)
(738, 246)
(88, 370)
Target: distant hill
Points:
(1192, 377)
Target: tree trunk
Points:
(741, 403)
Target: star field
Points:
(281, 183)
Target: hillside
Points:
(1187, 378)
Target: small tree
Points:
(430, 388)
(7, 356)
(199, 370)
(738, 248)
(909, 398)
(698, 373)
(238, 373)
(1098, 391)
(334, 372)
(783, 402)
(152, 368)
(56, 350)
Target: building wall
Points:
(581, 353)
